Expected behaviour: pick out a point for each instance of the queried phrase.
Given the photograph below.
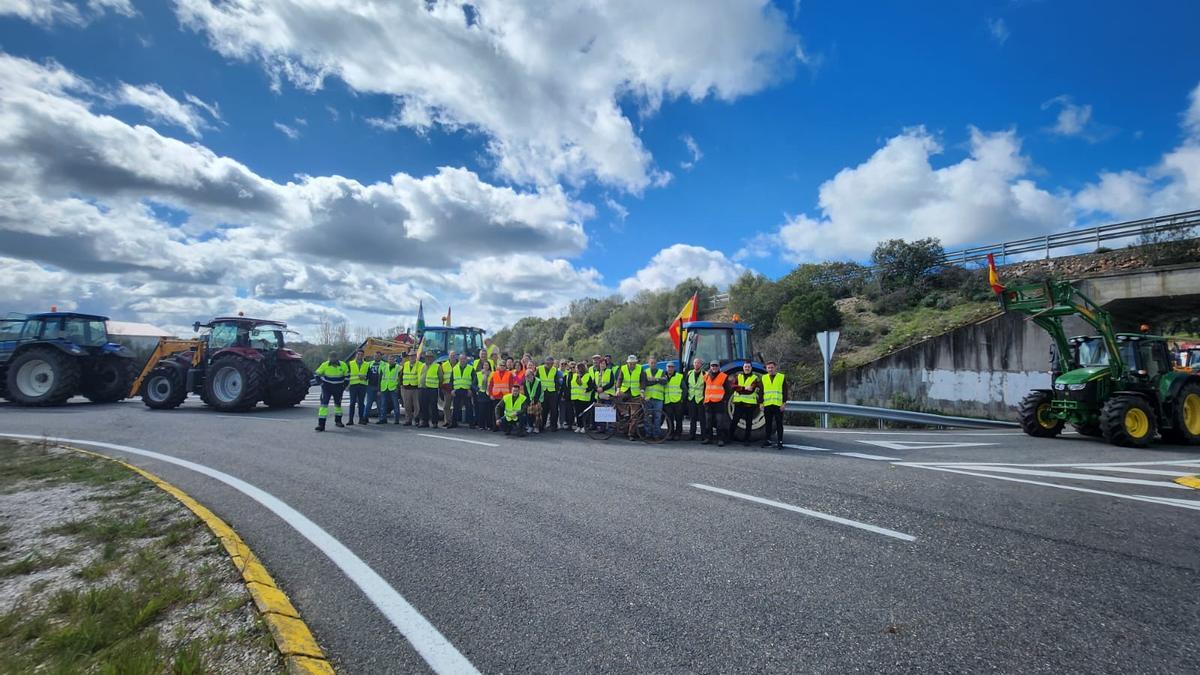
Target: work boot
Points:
(707, 441)
(320, 424)
(720, 444)
(349, 422)
(337, 421)
(397, 422)
(779, 445)
(407, 424)
(362, 420)
(766, 444)
(381, 422)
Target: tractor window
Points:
(265, 338)
(741, 345)
(1130, 355)
(223, 335)
(11, 330)
(435, 341)
(1154, 358)
(709, 345)
(1092, 352)
(84, 333)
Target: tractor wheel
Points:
(1035, 415)
(165, 387)
(42, 376)
(1092, 430)
(1186, 416)
(1127, 421)
(288, 385)
(107, 379)
(233, 383)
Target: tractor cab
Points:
(709, 341)
(86, 331)
(260, 335)
(441, 340)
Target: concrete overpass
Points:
(1155, 296)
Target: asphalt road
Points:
(955, 551)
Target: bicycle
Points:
(627, 419)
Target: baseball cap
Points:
(631, 359)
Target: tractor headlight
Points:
(1077, 387)
(1060, 387)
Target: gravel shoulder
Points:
(100, 571)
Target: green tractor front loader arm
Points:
(1047, 303)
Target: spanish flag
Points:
(993, 276)
(690, 312)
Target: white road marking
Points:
(814, 514)
(1182, 503)
(863, 455)
(260, 417)
(806, 447)
(1077, 465)
(461, 440)
(437, 651)
(1077, 476)
(1147, 472)
(921, 445)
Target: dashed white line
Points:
(461, 440)
(437, 651)
(1079, 476)
(810, 448)
(808, 512)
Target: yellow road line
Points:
(294, 640)
(1189, 481)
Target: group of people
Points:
(495, 392)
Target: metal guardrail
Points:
(887, 414)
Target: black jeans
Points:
(550, 412)
(485, 411)
(579, 418)
(464, 407)
(429, 409)
(714, 421)
(696, 418)
(673, 412)
(743, 411)
(774, 415)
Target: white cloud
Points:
(675, 263)
(1170, 186)
(897, 193)
(693, 149)
(162, 107)
(544, 85)
(1075, 120)
(998, 29)
(87, 197)
(49, 12)
(289, 131)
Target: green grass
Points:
(908, 327)
(110, 623)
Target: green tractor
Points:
(1119, 386)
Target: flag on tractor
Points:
(421, 317)
(994, 276)
(446, 319)
(690, 312)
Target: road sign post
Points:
(827, 340)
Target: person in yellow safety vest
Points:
(485, 407)
(673, 402)
(515, 418)
(716, 389)
(655, 380)
(774, 393)
(630, 379)
(583, 390)
(332, 374)
(358, 387)
(389, 382)
(547, 374)
(462, 375)
(602, 377)
(374, 385)
(491, 351)
(695, 400)
(448, 387)
(746, 395)
(484, 358)
(431, 382)
(410, 388)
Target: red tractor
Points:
(235, 364)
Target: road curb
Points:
(1189, 481)
(301, 654)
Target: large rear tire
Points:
(1185, 416)
(233, 383)
(1034, 413)
(107, 378)
(289, 384)
(165, 387)
(1128, 421)
(42, 376)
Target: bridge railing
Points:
(890, 415)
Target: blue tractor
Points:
(46, 359)
(726, 342)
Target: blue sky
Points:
(334, 162)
